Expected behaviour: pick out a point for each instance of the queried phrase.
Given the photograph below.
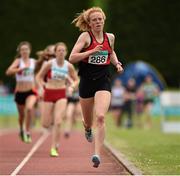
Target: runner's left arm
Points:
(73, 80)
(114, 59)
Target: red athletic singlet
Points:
(96, 65)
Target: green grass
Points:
(8, 122)
(150, 150)
(12, 122)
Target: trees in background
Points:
(148, 30)
(39, 22)
(145, 29)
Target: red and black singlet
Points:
(96, 65)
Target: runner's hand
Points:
(41, 92)
(119, 67)
(20, 70)
(97, 49)
(70, 90)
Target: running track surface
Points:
(18, 158)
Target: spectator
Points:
(130, 91)
(150, 91)
(3, 89)
(139, 105)
(117, 101)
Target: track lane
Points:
(13, 150)
(74, 159)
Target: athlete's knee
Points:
(45, 125)
(100, 119)
(29, 109)
(58, 123)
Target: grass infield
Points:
(149, 149)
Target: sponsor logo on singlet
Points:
(59, 74)
(28, 72)
(99, 58)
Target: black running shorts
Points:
(20, 97)
(88, 87)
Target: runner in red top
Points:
(103, 57)
(94, 50)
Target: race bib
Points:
(57, 75)
(27, 72)
(98, 58)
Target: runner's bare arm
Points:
(13, 68)
(41, 74)
(114, 59)
(82, 42)
(73, 76)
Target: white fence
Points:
(169, 99)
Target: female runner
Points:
(59, 73)
(94, 50)
(25, 95)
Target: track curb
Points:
(123, 160)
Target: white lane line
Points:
(29, 155)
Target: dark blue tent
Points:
(139, 70)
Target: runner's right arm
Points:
(82, 42)
(41, 74)
(13, 68)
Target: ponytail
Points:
(82, 19)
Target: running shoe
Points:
(54, 152)
(21, 135)
(96, 160)
(89, 135)
(27, 138)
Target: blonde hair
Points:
(48, 48)
(82, 19)
(42, 56)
